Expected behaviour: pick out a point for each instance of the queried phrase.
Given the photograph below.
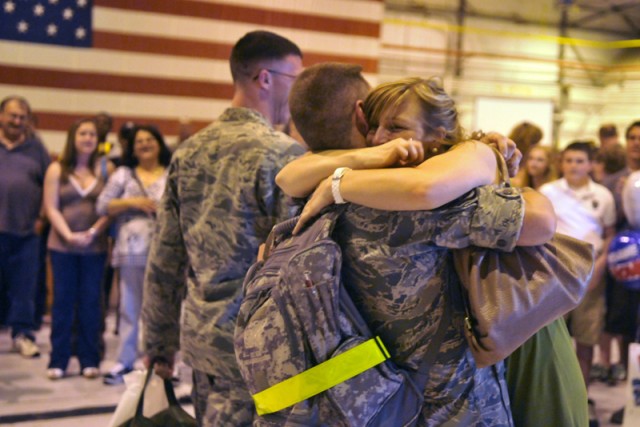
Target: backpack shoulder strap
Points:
(320, 228)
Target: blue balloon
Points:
(623, 259)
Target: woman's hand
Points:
(507, 148)
(144, 204)
(320, 199)
(80, 239)
(398, 152)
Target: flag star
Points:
(52, 29)
(81, 3)
(53, 1)
(67, 14)
(23, 26)
(80, 33)
(38, 10)
(9, 6)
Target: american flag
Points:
(166, 61)
(61, 22)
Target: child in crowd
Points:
(586, 211)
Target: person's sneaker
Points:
(91, 372)
(593, 416)
(55, 373)
(26, 347)
(611, 379)
(619, 372)
(115, 375)
(598, 373)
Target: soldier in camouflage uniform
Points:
(219, 206)
(397, 265)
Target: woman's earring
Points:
(434, 150)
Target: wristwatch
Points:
(335, 185)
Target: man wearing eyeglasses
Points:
(219, 206)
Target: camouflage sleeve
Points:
(164, 283)
(489, 216)
(498, 218)
(272, 199)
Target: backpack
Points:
(304, 350)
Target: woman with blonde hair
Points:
(420, 110)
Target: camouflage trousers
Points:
(220, 402)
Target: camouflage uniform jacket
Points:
(398, 270)
(219, 205)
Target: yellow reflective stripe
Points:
(321, 377)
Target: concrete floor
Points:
(29, 399)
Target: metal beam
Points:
(462, 5)
(592, 75)
(448, 12)
(563, 98)
(612, 9)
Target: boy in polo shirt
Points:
(585, 210)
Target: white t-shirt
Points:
(583, 213)
(631, 199)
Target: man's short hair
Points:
(258, 46)
(607, 130)
(19, 99)
(631, 126)
(613, 157)
(322, 102)
(586, 146)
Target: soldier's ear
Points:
(263, 78)
(361, 120)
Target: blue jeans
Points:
(18, 277)
(76, 298)
(131, 285)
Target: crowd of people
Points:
(181, 231)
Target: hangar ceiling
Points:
(618, 17)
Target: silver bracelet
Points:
(335, 185)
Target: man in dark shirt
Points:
(23, 163)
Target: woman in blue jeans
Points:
(77, 247)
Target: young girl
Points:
(539, 168)
(77, 246)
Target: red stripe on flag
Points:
(201, 49)
(89, 81)
(232, 13)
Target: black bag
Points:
(173, 416)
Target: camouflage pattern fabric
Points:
(398, 270)
(219, 206)
(220, 403)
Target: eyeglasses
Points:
(292, 76)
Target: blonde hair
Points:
(550, 173)
(438, 108)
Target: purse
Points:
(173, 416)
(509, 296)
